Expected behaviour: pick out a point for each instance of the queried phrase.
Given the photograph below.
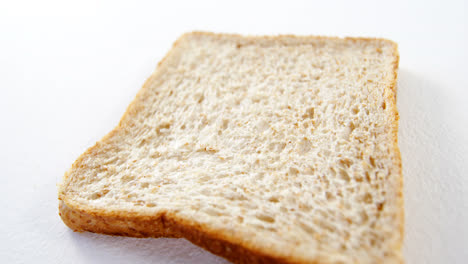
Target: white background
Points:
(69, 69)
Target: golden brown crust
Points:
(80, 217)
(162, 225)
(392, 97)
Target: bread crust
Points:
(81, 217)
(163, 224)
(391, 96)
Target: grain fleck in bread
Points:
(259, 149)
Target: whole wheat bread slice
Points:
(259, 149)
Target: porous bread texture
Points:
(282, 147)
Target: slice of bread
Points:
(259, 149)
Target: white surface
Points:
(68, 71)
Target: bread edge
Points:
(397, 164)
(165, 224)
